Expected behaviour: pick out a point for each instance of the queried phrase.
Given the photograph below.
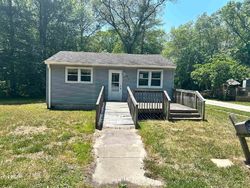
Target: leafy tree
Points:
(192, 45)
(236, 16)
(182, 49)
(130, 19)
(104, 41)
(217, 71)
(33, 30)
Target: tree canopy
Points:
(196, 47)
(33, 30)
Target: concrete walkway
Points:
(119, 152)
(229, 105)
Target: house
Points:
(74, 79)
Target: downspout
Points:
(49, 86)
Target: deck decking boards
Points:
(117, 115)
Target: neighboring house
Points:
(74, 79)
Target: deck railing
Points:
(133, 107)
(148, 100)
(152, 103)
(166, 105)
(192, 99)
(99, 108)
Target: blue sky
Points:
(183, 11)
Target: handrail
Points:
(100, 96)
(133, 107)
(132, 96)
(167, 96)
(99, 108)
(166, 105)
(191, 99)
(185, 91)
(200, 96)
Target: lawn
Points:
(179, 152)
(44, 148)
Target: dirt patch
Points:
(26, 130)
(35, 156)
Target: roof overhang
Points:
(106, 65)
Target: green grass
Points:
(44, 148)
(180, 152)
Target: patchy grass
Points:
(180, 152)
(44, 148)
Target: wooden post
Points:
(195, 98)
(96, 116)
(242, 139)
(163, 105)
(168, 110)
(181, 98)
(136, 116)
(245, 148)
(203, 110)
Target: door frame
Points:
(110, 82)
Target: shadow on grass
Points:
(20, 101)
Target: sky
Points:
(183, 11)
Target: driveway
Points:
(229, 105)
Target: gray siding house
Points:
(74, 79)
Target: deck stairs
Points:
(181, 112)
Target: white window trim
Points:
(79, 75)
(149, 78)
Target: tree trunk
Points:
(12, 91)
(43, 23)
(142, 42)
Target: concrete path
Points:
(120, 153)
(229, 105)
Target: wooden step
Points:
(184, 111)
(186, 118)
(186, 114)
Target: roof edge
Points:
(48, 62)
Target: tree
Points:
(130, 19)
(236, 16)
(217, 71)
(33, 30)
(104, 41)
(183, 50)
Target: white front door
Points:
(115, 85)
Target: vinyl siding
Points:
(80, 95)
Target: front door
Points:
(115, 85)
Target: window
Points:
(78, 75)
(85, 75)
(72, 75)
(149, 78)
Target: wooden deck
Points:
(176, 106)
(148, 104)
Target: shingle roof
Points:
(109, 59)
